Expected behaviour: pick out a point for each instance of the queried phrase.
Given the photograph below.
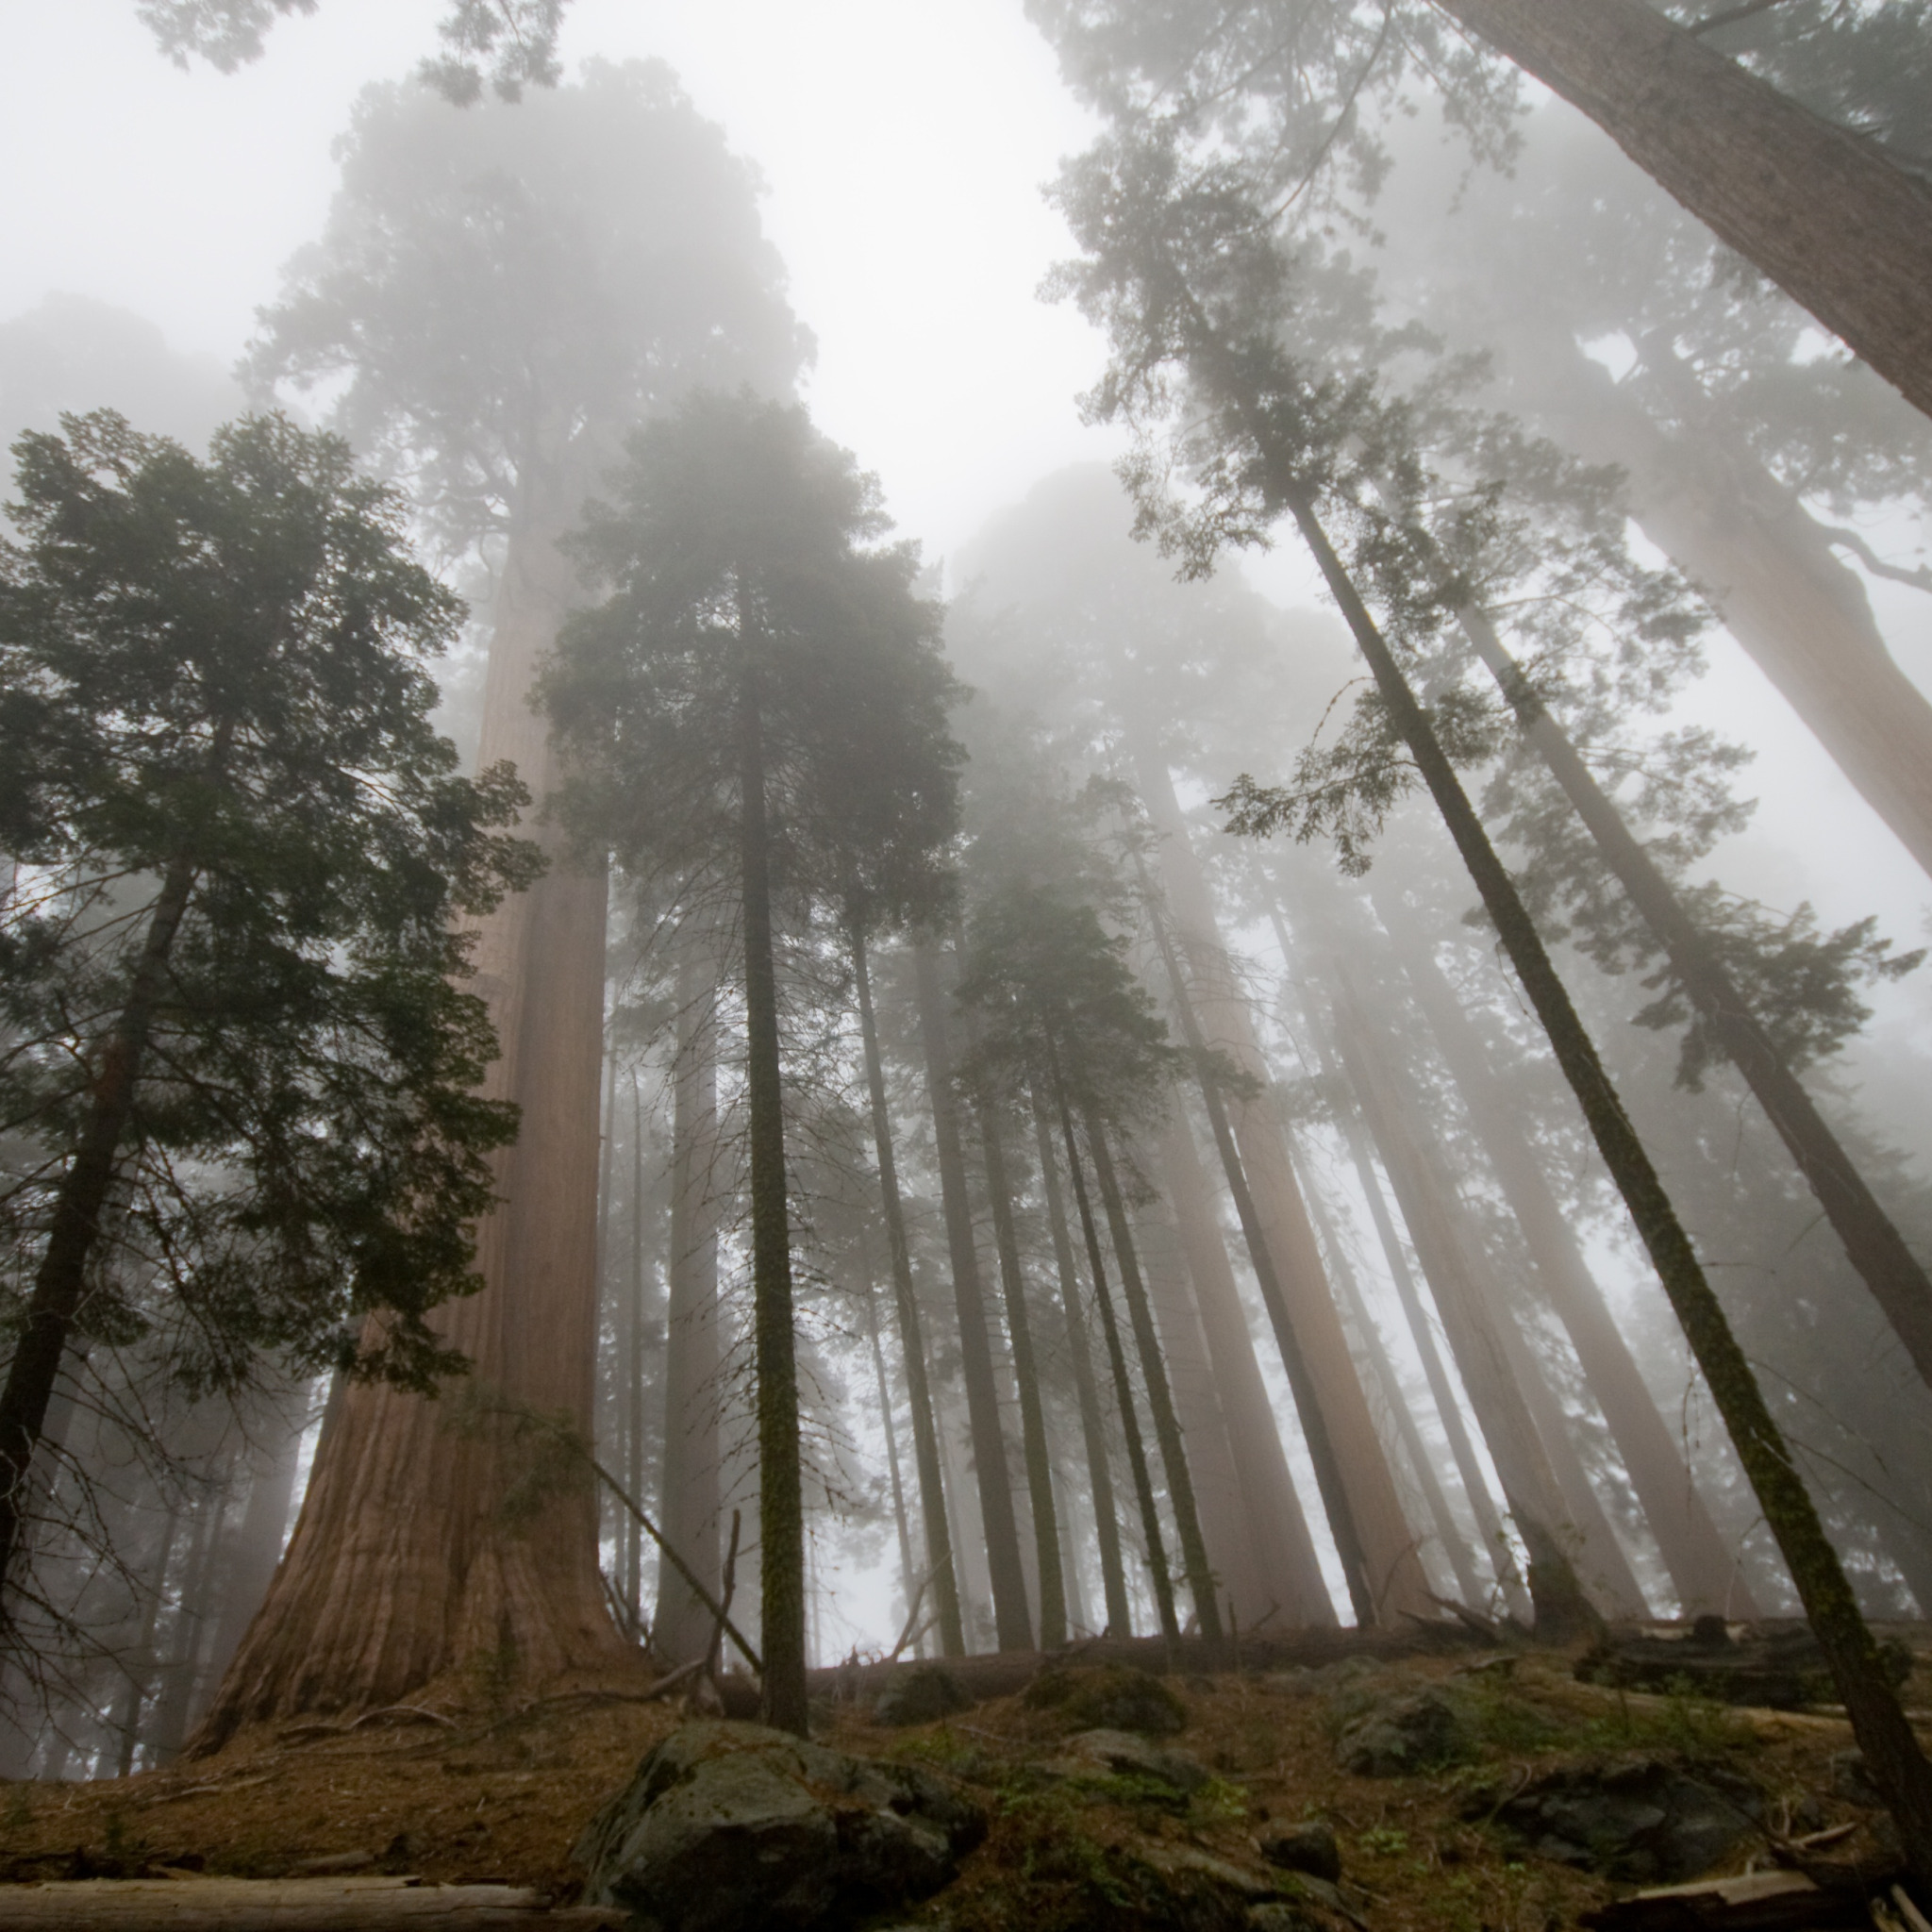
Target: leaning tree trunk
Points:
(1167, 1428)
(691, 1501)
(1897, 1764)
(926, 1435)
(1227, 1022)
(1689, 1542)
(404, 1563)
(1281, 1555)
(1117, 1361)
(1523, 1466)
(1013, 1624)
(1894, 1274)
(1823, 213)
(1107, 1530)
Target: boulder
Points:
(1852, 1782)
(1111, 1697)
(920, 1695)
(1127, 1755)
(1640, 1819)
(1310, 1848)
(1401, 1736)
(731, 1827)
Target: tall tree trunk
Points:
(1523, 1466)
(1897, 1764)
(1279, 1552)
(1767, 565)
(908, 1577)
(1046, 1535)
(1448, 1531)
(61, 1281)
(1823, 213)
(636, 1407)
(774, 1345)
(989, 1465)
(1107, 1532)
(255, 1547)
(1329, 1478)
(1897, 1279)
(1167, 1428)
(691, 1502)
(1117, 1361)
(403, 1565)
(1692, 1549)
(925, 1440)
(1227, 1023)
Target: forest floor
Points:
(491, 1792)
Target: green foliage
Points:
(213, 672)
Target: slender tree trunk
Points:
(925, 1440)
(691, 1502)
(1766, 563)
(1167, 1428)
(402, 1565)
(256, 1546)
(1448, 1531)
(1046, 1533)
(781, 1500)
(194, 1619)
(636, 1407)
(1107, 1532)
(908, 1577)
(1892, 1754)
(1328, 1479)
(1279, 1551)
(1897, 1279)
(1834, 224)
(1227, 1023)
(1692, 1549)
(1009, 1579)
(61, 1281)
(1117, 1360)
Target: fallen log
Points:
(1776, 1670)
(289, 1905)
(1758, 1902)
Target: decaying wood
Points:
(1759, 1902)
(299, 1905)
(1778, 1670)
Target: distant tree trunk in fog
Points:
(636, 1407)
(908, 1577)
(689, 1497)
(1167, 1428)
(1821, 211)
(1107, 1531)
(1704, 1576)
(926, 1439)
(1328, 1477)
(255, 1547)
(1279, 1551)
(402, 1566)
(1898, 1281)
(1448, 1531)
(1046, 1535)
(989, 1463)
(1523, 1466)
(1123, 1386)
(1227, 1023)
(1708, 500)
(141, 1666)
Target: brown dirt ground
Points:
(502, 1794)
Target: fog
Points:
(1004, 1089)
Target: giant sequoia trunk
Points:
(1703, 1572)
(1820, 211)
(1006, 1575)
(1227, 1023)
(403, 1565)
(690, 1500)
(1704, 499)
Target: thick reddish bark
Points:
(1821, 212)
(403, 1565)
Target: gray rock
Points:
(921, 1695)
(1403, 1736)
(1114, 1697)
(731, 1827)
(1127, 1755)
(1312, 1848)
(1852, 1782)
(1644, 1820)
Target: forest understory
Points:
(467, 1787)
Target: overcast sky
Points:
(905, 143)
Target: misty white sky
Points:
(905, 143)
